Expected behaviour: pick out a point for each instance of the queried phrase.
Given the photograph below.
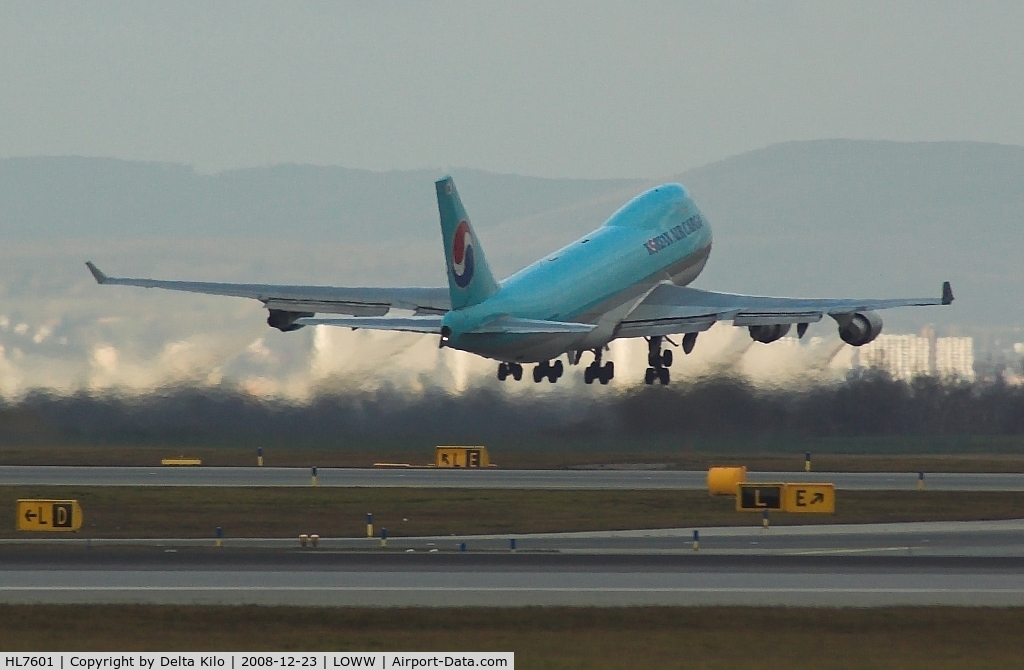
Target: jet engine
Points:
(859, 328)
(768, 333)
(284, 320)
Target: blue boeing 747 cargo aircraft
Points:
(628, 278)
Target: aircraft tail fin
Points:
(469, 277)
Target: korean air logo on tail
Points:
(462, 255)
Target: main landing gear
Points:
(552, 371)
(660, 361)
(602, 373)
(505, 370)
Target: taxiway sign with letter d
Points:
(49, 515)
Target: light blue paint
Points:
(583, 276)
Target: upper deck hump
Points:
(649, 208)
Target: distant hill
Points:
(103, 198)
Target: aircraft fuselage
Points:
(658, 236)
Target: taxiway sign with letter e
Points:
(820, 498)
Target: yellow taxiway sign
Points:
(758, 497)
(800, 498)
(820, 498)
(49, 515)
(461, 457)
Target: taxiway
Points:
(484, 479)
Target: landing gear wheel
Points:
(663, 376)
(502, 372)
(554, 371)
(649, 376)
(538, 374)
(597, 372)
(666, 358)
(516, 370)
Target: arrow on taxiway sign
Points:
(818, 498)
(29, 515)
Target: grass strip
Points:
(120, 512)
(552, 638)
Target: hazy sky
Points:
(570, 89)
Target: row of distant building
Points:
(908, 356)
(905, 357)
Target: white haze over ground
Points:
(103, 357)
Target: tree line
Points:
(873, 405)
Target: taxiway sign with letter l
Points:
(757, 497)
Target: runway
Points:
(484, 479)
(452, 580)
(1002, 539)
(971, 563)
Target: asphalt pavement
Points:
(954, 563)
(452, 580)
(484, 479)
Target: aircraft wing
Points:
(366, 307)
(408, 324)
(362, 301)
(670, 309)
(507, 325)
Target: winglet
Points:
(96, 272)
(947, 293)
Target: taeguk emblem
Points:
(462, 255)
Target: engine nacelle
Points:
(284, 320)
(768, 333)
(859, 328)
